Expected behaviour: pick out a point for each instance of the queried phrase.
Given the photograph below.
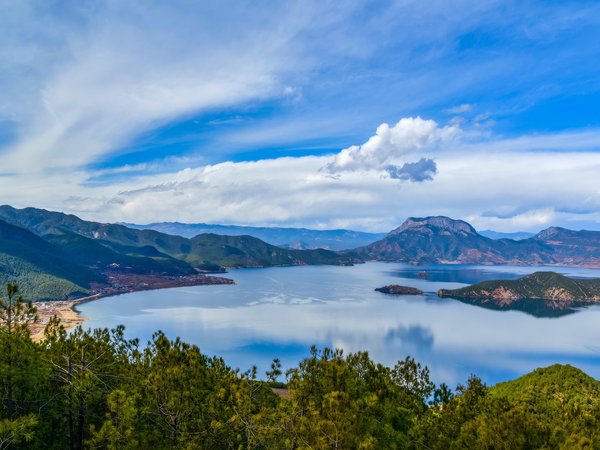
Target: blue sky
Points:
(272, 113)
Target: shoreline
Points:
(127, 283)
(121, 284)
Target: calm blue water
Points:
(281, 312)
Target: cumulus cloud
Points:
(491, 189)
(385, 150)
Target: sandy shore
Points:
(63, 309)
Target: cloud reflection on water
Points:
(280, 311)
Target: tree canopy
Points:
(96, 389)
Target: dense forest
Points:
(97, 389)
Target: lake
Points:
(282, 311)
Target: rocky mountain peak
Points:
(549, 233)
(440, 222)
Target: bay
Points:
(282, 311)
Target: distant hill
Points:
(573, 248)
(297, 238)
(516, 236)
(549, 286)
(248, 251)
(94, 243)
(441, 240)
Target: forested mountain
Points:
(97, 240)
(556, 407)
(442, 240)
(40, 267)
(298, 238)
(96, 389)
(248, 251)
(204, 251)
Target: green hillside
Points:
(557, 407)
(564, 399)
(553, 391)
(95, 253)
(248, 251)
(44, 223)
(40, 268)
(35, 283)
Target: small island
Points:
(395, 289)
(552, 287)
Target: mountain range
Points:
(52, 255)
(441, 240)
(298, 238)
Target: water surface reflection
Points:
(283, 311)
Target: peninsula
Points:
(550, 286)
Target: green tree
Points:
(275, 371)
(16, 349)
(118, 431)
(16, 431)
(85, 367)
(21, 370)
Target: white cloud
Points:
(390, 145)
(502, 189)
(460, 109)
(121, 69)
(80, 82)
(493, 183)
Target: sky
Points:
(321, 114)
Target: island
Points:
(552, 287)
(396, 289)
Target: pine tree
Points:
(17, 352)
